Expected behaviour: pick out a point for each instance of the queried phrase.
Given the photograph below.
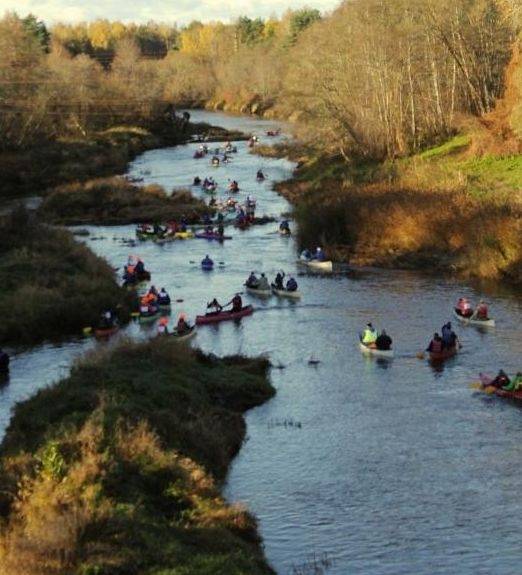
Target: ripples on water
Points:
(395, 467)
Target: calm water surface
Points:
(389, 467)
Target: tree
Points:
(38, 28)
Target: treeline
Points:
(376, 77)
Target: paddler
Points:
(237, 303)
(383, 341)
(163, 324)
(435, 344)
(163, 297)
(263, 283)
(482, 311)
(252, 281)
(207, 261)
(515, 384)
(463, 307)
(278, 282)
(215, 306)
(369, 335)
(291, 284)
(182, 326)
(502, 380)
(319, 255)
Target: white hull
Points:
(259, 292)
(287, 294)
(318, 266)
(477, 322)
(186, 336)
(376, 352)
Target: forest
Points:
(375, 78)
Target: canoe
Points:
(145, 318)
(217, 317)
(317, 265)
(477, 322)
(184, 336)
(216, 237)
(258, 292)
(444, 354)
(285, 293)
(375, 352)
(101, 333)
(184, 235)
(485, 380)
(143, 236)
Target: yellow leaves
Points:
(100, 34)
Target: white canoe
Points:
(477, 322)
(259, 292)
(376, 352)
(285, 293)
(318, 266)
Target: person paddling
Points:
(278, 282)
(383, 341)
(163, 328)
(369, 335)
(291, 285)
(263, 283)
(252, 281)
(215, 306)
(435, 345)
(482, 311)
(182, 326)
(463, 307)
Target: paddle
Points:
(87, 331)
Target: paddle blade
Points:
(421, 355)
(87, 330)
(476, 385)
(490, 389)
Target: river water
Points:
(378, 467)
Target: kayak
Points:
(285, 233)
(444, 354)
(217, 237)
(103, 332)
(317, 265)
(285, 293)
(375, 352)
(477, 322)
(259, 292)
(186, 335)
(207, 267)
(217, 317)
(166, 307)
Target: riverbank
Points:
(67, 160)
(52, 286)
(118, 468)
(447, 209)
(116, 201)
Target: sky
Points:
(180, 11)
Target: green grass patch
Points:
(117, 468)
(457, 144)
(51, 285)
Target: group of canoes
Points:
(203, 150)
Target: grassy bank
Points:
(454, 207)
(66, 160)
(114, 201)
(51, 285)
(116, 470)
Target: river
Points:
(379, 467)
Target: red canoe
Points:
(217, 237)
(444, 354)
(105, 332)
(216, 317)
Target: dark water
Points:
(387, 467)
